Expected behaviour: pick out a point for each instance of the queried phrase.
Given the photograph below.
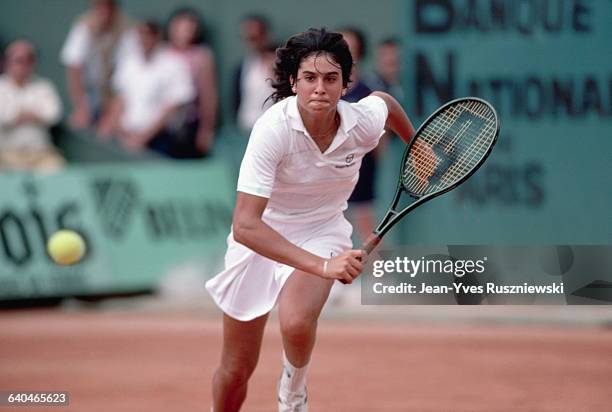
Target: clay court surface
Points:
(154, 362)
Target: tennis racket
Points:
(445, 150)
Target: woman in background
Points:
(185, 41)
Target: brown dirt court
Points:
(154, 362)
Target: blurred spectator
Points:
(97, 40)
(29, 105)
(151, 87)
(388, 67)
(198, 122)
(387, 78)
(252, 85)
(357, 45)
(361, 209)
(2, 57)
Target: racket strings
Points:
(480, 143)
(437, 131)
(463, 133)
(433, 134)
(466, 156)
(469, 154)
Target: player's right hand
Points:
(344, 267)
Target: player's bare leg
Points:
(241, 346)
(300, 304)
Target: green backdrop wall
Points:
(546, 66)
(140, 223)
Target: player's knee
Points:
(235, 374)
(297, 330)
(237, 369)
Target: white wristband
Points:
(325, 266)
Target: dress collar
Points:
(347, 121)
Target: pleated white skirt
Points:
(249, 285)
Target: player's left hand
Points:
(427, 160)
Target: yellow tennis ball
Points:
(66, 247)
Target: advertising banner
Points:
(138, 222)
(547, 68)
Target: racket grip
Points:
(368, 246)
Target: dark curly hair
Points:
(301, 46)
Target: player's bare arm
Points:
(397, 120)
(250, 230)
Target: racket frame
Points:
(393, 216)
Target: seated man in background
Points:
(29, 105)
(97, 40)
(151, 86)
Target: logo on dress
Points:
(349, 161)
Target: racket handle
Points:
(368, 246)
(371, 242)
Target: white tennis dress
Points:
(307, 193)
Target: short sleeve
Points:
(74, 51)
(261, 159)
(377, 113)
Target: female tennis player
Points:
(289, 238)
